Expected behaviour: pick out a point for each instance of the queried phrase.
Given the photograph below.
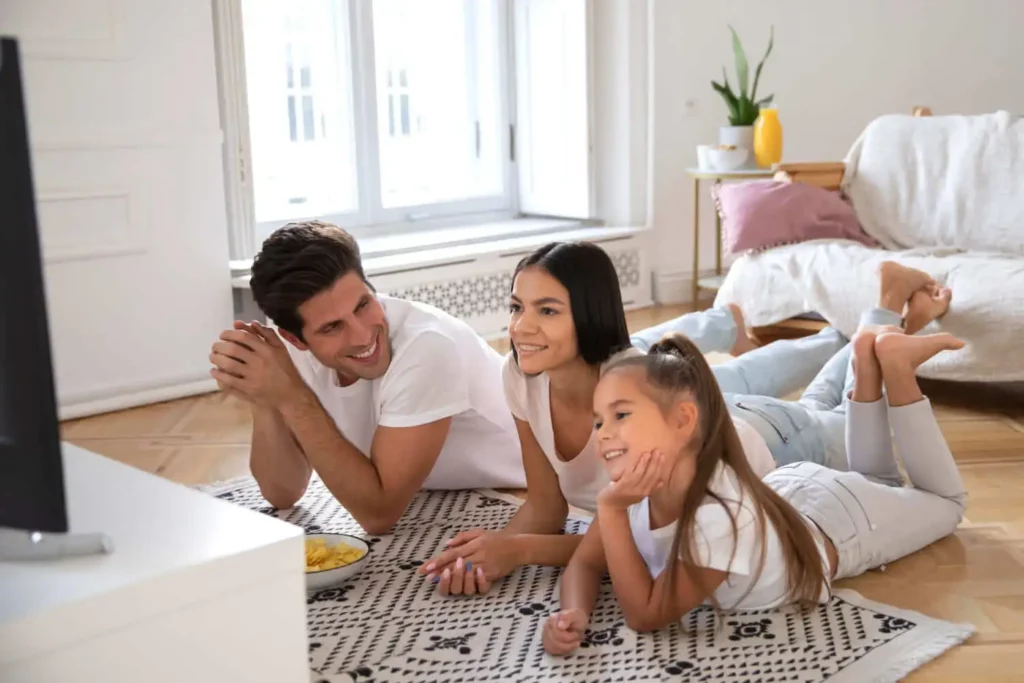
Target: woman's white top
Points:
(582, 476)
(715, 545)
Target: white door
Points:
(126, 152)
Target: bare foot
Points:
(910, 351)
(744, 340)
(867, 386)
(876, 330)
(926, 305)
(898, 283)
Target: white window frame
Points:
(373, 219)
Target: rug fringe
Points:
(937, 645)
(931, 638)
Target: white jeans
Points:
(867, 512)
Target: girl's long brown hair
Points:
(676, 366)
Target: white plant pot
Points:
(739, 136)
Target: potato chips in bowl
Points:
(333, 558)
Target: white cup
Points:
(703, 160)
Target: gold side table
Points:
(714, 282)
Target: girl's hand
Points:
(564, 631)
(486, 556)
(636, 484)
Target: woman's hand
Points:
(564, 631)
(633, 485)
(473, 561)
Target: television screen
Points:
(31, 468)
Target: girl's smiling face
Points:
(629, 422)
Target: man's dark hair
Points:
(297, 262)
(595, 299)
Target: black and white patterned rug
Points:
(389, 624)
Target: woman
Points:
(566, 320)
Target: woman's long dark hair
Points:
(675, 367)
(586, 271)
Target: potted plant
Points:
(744, 106)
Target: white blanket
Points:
(838, 279)
(947, 181)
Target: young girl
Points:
(685, 520)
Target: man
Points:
(380, 396)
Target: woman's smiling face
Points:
(540, 322)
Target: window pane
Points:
(299, 86)
(439, 60)
(405, 114)
(292, 124)
(304, 74)
(289, 66)
(307, 118)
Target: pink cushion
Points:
(761, 215)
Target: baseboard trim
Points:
(676, 286)
(120, 399)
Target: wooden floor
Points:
(975, 576)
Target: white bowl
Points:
(728, 159)
(326, 578)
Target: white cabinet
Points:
(197, 589)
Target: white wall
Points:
(837, 64)
(126, 141)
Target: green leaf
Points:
(765, 101)
(742, 70)
(757, 72)
(730, 99)
(746, 112)
(726, 92)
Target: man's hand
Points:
(636, 484)
(487, 556)
(252, 362)
(564, 631)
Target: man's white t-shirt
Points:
(439, 368)
(717, 549)
(583, 476)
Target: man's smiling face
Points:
(345, 328)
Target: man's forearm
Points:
(277, 463)
(346, 472)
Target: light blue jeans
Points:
(775, 369)
(810, 429)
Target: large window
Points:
(396, 114)
(377, 111)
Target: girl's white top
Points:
(717, 549)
